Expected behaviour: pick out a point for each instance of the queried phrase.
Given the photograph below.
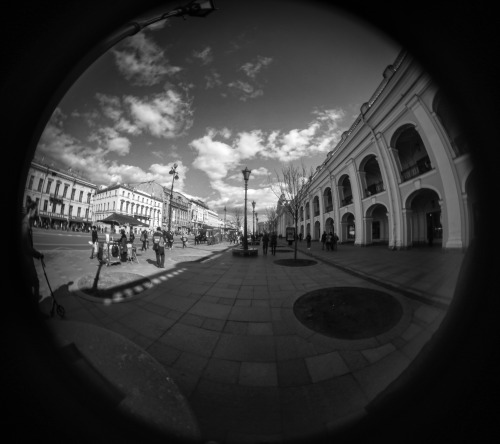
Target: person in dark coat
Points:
(265, 243)
(308, 240)
(159, 247)
(95, 240)
(274, 242)
(323, 240)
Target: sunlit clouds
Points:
(142, 62)
(214, 96)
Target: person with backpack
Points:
(184, 240)
(159, 247)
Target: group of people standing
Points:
(329, 240)
(269, 239)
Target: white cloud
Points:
(252, 69)
(165, 115)
(244, 90)
(142, 62)
(205, 55)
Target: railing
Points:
(418, 168)
(374, 188)
(346, 201)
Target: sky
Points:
(254, 84)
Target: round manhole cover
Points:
(348, 312)
(295, 262)
(116, 286)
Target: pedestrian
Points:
(95, 242)
(308, 240)
(335, 241)
(159, 247)
(329, 240)
(144, 236)
(300, 237)
(323, 240)
(29, 213)
(123, 245)
(184, 240)
(265, 243)
(274, 242)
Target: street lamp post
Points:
(246, 175)
(224, 221)
(257, 222)
(174, 176)
(253, 218)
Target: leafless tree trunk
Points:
(237, 214)
(288, 186)
(272, 216)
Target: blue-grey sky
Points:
(254, 84)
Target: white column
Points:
(356, 197)
(451, 187)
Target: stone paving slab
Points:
(225, 331)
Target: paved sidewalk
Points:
(223, 329)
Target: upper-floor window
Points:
(30, 184)
(73, 194)
(58, 185)
(81, 196)
(40, 184)
(49, 185)
(65, 193)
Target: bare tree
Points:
(288, 187)
(272, 217)
(237, 214)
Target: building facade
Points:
(401, 175)
(178, 210)
(64, 198)
(198, 211)
(124, 199)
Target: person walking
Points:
(308, 240)
(159, 247)
(329, 240)
(95, 242)
(274, 242)
(323, 240)
(29, 253)
(184, 240)
(300, 237)
(123, 245)
(144, 236)
(335, 241)
(265, 243)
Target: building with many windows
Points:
(401, 175)
(124, 199)
(198, 211)
(64, 198)
(179, 212)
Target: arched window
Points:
(412, 153)
(316, 206)
(328, 200)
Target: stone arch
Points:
(315, 208)
(329, 225)
(376, 224)
(347, 228)
(345, 190)
(424, 218)
(317, 231)
(371, 176)
(328, 199)
(412, 154)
